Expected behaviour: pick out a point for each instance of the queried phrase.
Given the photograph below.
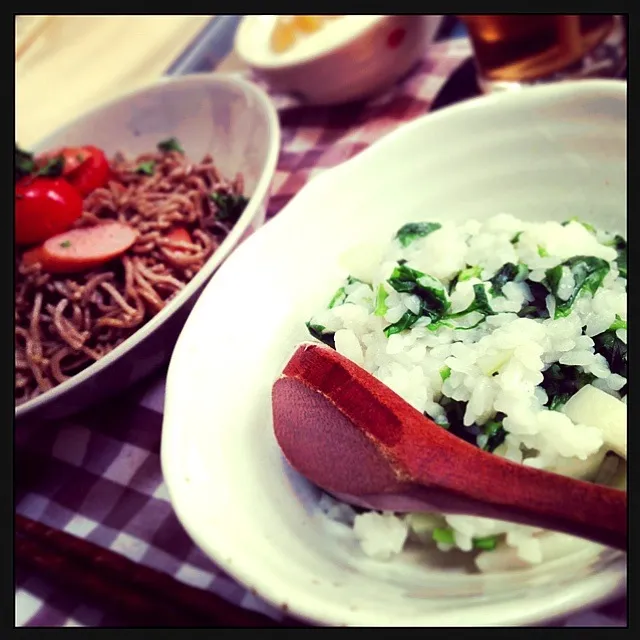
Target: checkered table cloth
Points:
(98, 476)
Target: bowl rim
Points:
(310, 608)
(322, 53)
(220, 254)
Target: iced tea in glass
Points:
(512, 50)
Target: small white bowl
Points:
(229, 118)
(350, 58)
(545, 153)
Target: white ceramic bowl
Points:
(546, 153)
(227, 117)
(350, 58)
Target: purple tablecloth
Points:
(98, 476)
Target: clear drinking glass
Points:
(514, 50)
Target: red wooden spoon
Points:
(351, 435)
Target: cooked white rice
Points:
(495, 365)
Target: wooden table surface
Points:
(76, 62)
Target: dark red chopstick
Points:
(145, 596)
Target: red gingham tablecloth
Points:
(97, 476)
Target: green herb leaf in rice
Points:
(318, 332)
(508, 272)
(432, 293)
(487, 543)
(480, 304)
(618, 323)
(414, 230)
(588, 272)
(338, 298)
(444, 535)
(560, 382)
(406, 322)
(381, 305)
(620, 245)
(614, 350)
(537, 307)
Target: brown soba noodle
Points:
(63, 323)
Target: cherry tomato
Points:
(73, 157)
(92, 174)
(86, 168)
(44, 207)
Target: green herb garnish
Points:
(170, 144)
(614, 350)
(433, 296)
(230, 205)
(465, 274)
(445, 372)
(414, 230)
(23, 163)
(486, 544)
(318, 332)
(480, 303)
(507, 273)
(516, 238)
(381, 304)
(444, 535)
(620, 245)
(146, 168)
(486, 437)
(468, 273)
(434, 302)
(557, 402)
(588, 273)
(338, 298)
(66, 244)
(434, 326)
(537, 308)
(406, 322)
(542, 252)
(560, 382)
(618, 323)
(493, 433)
(52, 168)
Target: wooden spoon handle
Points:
(592, 512)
